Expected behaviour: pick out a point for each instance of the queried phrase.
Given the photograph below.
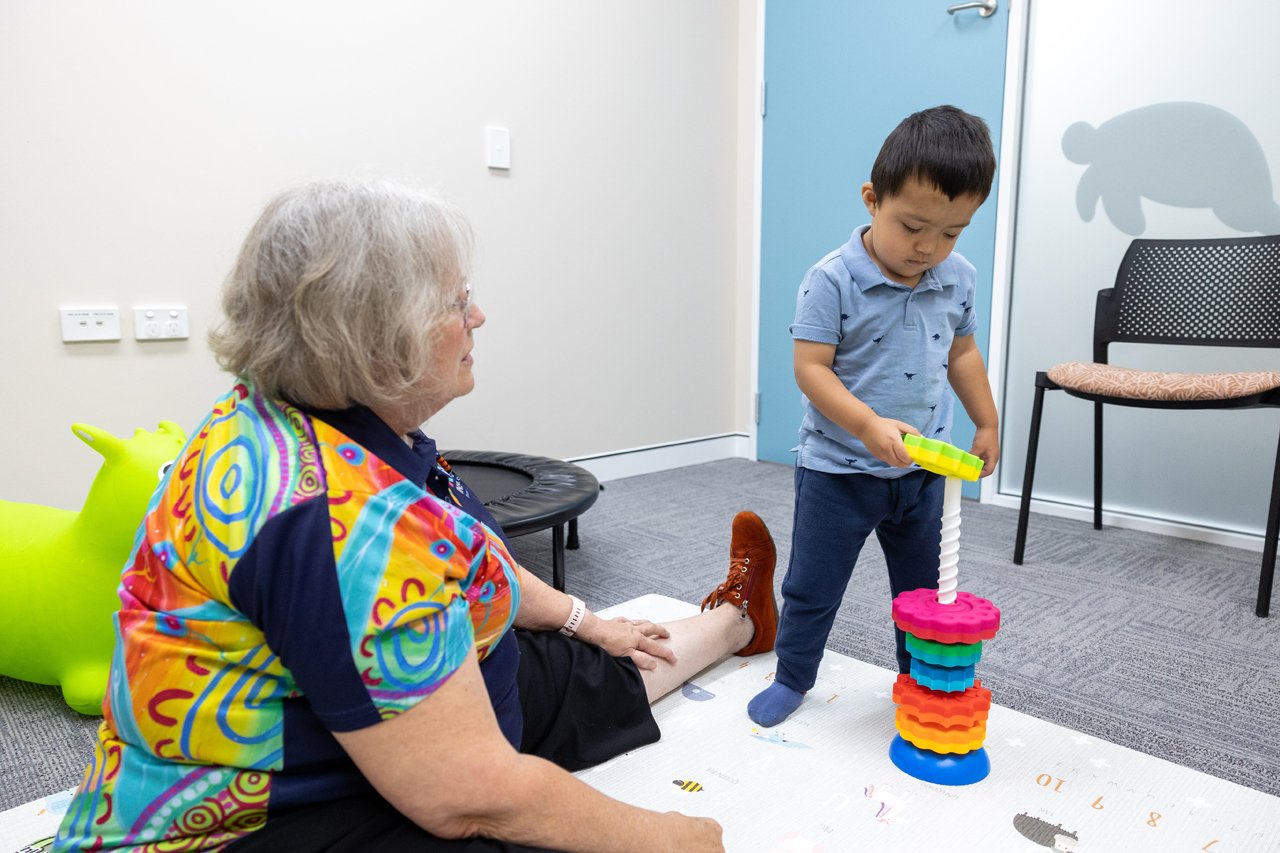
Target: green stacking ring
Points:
(944, 654)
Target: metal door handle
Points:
(987, 7)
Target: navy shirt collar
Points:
(371, 432)
(424, 447)
(418, 464)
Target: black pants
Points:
(581, 708)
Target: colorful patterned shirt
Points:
(287, 582)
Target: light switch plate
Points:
(497, 147)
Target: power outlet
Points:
(90, 324)
(165, 323)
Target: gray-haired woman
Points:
(324, 642)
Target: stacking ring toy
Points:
(944, 654)
(940, 739)
(942, 708)
(945, 709)
(942, 458)
(948, 679)
(968, 620)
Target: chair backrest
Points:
(1223, 292)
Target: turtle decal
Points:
(1182, 154)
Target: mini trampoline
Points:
(530, 493)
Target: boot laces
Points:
(739, 565)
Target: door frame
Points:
(1015, 76)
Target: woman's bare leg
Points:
(698, 641)
(740, 615)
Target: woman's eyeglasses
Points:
(463, 306)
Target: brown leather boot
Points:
(749, 585)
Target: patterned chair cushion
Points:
(1131, 384)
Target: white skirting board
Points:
(663, 457)
(822, 781)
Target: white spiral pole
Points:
(949, 555)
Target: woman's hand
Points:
(545, 609)
(637, 639)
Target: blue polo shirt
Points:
(892, 343)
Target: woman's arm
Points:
(446, 766)
(543, 608)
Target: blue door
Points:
(839, 76)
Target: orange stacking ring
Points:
(940, 708)
(937, 738)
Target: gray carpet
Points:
(1142, 640)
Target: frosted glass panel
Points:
(1140, 125)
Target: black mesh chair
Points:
(1223, 293)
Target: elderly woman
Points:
(324, 642)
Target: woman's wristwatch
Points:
(576, 615)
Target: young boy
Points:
(884, 329)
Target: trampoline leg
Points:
(572, 544)
(557, 557)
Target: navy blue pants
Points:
(834, 515)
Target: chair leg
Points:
(557, 557)
(1097, 466)
(1029, 474)
(1267, 574)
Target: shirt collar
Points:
(866, 274)
(371, 432)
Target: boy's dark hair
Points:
(944, 146)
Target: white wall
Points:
(141, 137)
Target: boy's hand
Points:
(986, 444)
(883, 437)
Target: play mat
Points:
(823, 781)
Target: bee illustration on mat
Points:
(690, 786)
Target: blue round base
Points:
(935, 767)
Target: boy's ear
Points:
(869, 198)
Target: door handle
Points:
(987, 8)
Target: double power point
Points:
(160, 324)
